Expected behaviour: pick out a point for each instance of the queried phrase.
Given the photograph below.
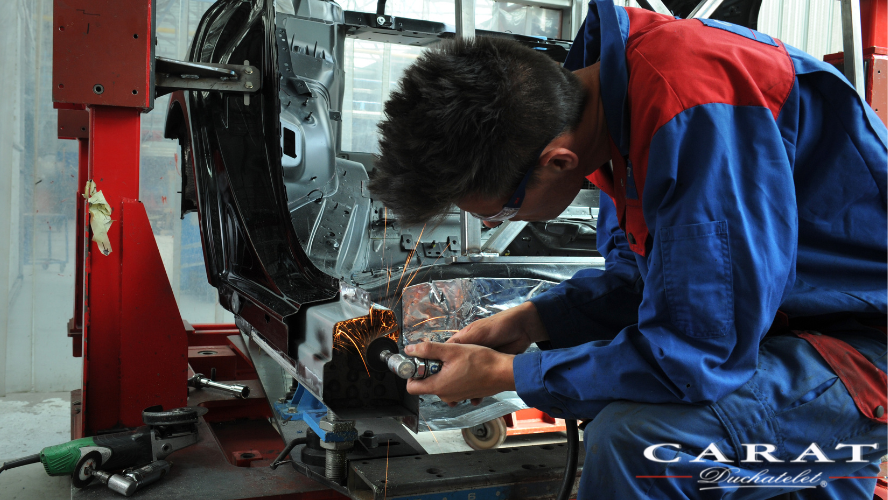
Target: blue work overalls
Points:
(748, 185)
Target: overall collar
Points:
(603, 37)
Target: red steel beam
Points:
(114, 166)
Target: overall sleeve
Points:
(595, 304)
(719, 203)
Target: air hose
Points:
(570, 468)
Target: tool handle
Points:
(128, 449)
(198, 381)
(239, 390)
(434, 366)
(18, 462)
(408, 367)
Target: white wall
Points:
(37, 184)
(814, 26)
(38, 191)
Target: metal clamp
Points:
(171, 75)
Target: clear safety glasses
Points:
(511, 208)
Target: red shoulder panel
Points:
(642, 20)
(702, 65)
(675, 65)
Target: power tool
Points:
(163, 433)
(198, 381)
(131, 480)
(382, 354)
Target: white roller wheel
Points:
(486, 436)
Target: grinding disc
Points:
(375, 348)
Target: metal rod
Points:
(656, 6)
(705, 9)
(503, 236)
(470, 231)
(465, 19)
(853, 44)
(477, 258)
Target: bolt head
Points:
(249, 85)
(291, 410)
(248, 71)
(380, 20)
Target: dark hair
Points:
(469, 117)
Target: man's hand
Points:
(510, 331)
(469, 372)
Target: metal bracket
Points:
(304, 406)
(852, 45)
(705, 9)
(503, 236)
(655, 5)
(172, 75)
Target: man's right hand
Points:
(510, 331)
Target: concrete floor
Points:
(30, 422)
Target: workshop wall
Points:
(38, 171)
(37, 196)
(38, 193)
(376, 66)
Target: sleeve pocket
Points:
(698, 280)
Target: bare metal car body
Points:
(293, 240)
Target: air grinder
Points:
(382, 355)
(163, 433)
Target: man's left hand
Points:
(469, 372)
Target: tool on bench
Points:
(382, 354)
(163, 433)
(199, 381)
(131, 480)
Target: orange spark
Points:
(386, 483)
(430, 428)
(407, 262)
(426, 320)
(356, 334)
(361, 354)
(412, 276)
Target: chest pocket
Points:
(739, 30)
(698, 281)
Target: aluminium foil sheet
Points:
(436, 310)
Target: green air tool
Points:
(163, 433)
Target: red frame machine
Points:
(874, 41)
(137, 351)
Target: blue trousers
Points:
(793, 400)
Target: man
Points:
(745, 216)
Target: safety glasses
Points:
(511, 208)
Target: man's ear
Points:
(561, 159)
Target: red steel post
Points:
(114, 167)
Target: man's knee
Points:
(629, 428)
(619, 425)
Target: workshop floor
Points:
(31, 421)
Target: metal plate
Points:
(73, 124)
(530, 472)
(103, 52)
